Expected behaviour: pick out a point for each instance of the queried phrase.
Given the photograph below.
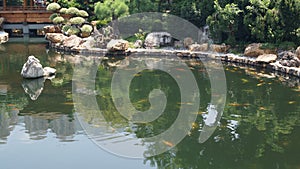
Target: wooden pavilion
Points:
(24, 11)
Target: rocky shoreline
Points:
(267, 62)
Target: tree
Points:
(289, 11)
(223, 22)
(111, 9)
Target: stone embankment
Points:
(287, 62)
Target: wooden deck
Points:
(35, 14)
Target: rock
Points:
(33, 87)
(266, 58)
(187, 42)
(253, 50)
(219, 48)
(33, 69)
(138, 44)
(72, 41)
(286, 55)
(3, 37)
(51, 29)
(48, 71)
(88, 43)
(178, 44)
(298, 52)
(157, 39)
(55, 37)
(199, 47)
(117, 45)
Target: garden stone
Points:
(33, 69)
(117, 45)
(157, 39)
(266, 58)
(72, 41)
(298, 52)
(55, 37)
(138, 44)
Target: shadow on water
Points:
(259, 127)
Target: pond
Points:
(52, 123)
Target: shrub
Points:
(65, 28)
(53, 6)
(83, 13)
(73, 31)
(86, 28)
(72, 11)
(52, 16)
(77, 20)
(63, 10)
(58, 20)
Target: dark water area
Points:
(40, 126)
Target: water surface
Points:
(40, 128)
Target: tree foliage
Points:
(111, 9)
(272, 21)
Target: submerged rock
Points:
(117, 45)
(33, 69)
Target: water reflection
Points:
(258, 129)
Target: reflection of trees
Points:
(256, 129)
(52, 110)
(9, 109)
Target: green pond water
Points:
(50, 123)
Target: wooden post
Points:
(31, 4)
(25, 4)
(4, 4)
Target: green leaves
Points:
(111, 9)
(224, 20)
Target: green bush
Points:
(58, 20)
(72, 11)
(287, 45)
(65, 28)
(82, 13)
(73, 31)
(77, 20)
(63, 10)
(86, 28)
(53, 6)
(54, 15)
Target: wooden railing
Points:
(22, 8)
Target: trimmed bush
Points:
(83, 13)
(63, 10)
(58, 20)
(72, 11)
(73, 31)
(77, 20)
(52, 16)
(65, 28)
(53, 6)
(86, 28)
